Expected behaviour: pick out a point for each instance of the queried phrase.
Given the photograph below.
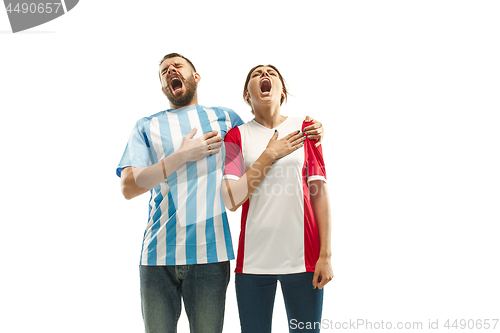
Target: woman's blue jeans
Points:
(255, 295)
(202, 288)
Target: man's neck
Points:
(175, 107)
(193, 102)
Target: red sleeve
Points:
(234, 159)
(314, 158)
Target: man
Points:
(187, 244)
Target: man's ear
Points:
(197, 77)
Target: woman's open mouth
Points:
(265, 86)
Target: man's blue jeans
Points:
(255, 294)
(203, 291)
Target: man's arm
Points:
(129, 187)
(136, 181)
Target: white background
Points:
(408, 92)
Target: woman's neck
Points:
(269, 117)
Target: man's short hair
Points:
(173, 55)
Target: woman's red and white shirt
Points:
(279, 234)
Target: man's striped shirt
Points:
(187, 221)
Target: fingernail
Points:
(275, 131)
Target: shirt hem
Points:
(311, 178)
(233, 177)
(190, 262)
(281, 272)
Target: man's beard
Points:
(184, 99)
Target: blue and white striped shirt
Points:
(187, 219)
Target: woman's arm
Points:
(314, 131)
(321, 206)
(236, 192)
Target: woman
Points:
(285, 222)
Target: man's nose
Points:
(171, 70)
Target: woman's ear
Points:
(247, 95)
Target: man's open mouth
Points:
(176, 84)
(265, 86)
